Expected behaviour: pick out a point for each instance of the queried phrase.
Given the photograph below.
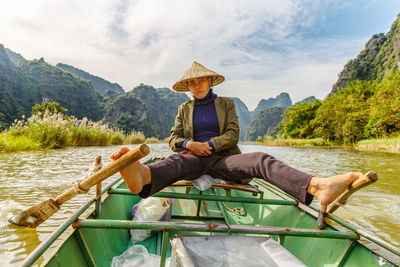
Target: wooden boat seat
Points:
(228, 186)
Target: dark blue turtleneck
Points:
(205, 120)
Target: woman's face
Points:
(199, 86)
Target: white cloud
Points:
(256, 45)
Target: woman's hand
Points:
(199, 149)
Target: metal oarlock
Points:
(321, 218)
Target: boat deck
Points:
(216, 211)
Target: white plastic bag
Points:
(205, 181)
(137, 255)
(149, 209)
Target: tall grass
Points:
(386, 144)
(152, 140)
(269, 141)
(57, 131)
(135, 138)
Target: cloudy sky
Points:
(262, 48)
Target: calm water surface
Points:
(27, 178)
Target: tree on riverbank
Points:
(362, 110)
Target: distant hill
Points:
(244, 116)
(380, 58)
(309, 99)
(264, 123)
(24, 83)
(146, 109)
(282, 100)
(11, 98)
(14, 57)
(247, 117)
(99, 84)
(35, 81)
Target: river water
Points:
(27, 178)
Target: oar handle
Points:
(369, 178)
(125, 160)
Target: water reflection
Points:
(26, 178)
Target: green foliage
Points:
(343, 116)
(362, 110)
(126, 122)
(297, 120)
(49, 107)
(259, 139)
(385, 108)
(10, 143)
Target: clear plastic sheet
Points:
(149, 209)
(205, 181)
(232, 251)
(137, 255)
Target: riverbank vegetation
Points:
(365, 115)
(296, 142)
(48, 127)
(385, 144)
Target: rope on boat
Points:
(240, 211)
(211, 226)
(97, 165)
(78, 189)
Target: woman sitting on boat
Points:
(206, 134)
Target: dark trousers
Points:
(229, 167)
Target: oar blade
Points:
(35, 215)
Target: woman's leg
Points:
(299, 184)
(262, 165)
(174, 168)
(151, 178)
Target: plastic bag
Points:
(205, 181)
(137, 255)
(149, 209)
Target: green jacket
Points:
(227, 120)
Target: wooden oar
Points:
(37, 214)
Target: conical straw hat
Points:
(196, 71)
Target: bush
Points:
(57, 131)
(152, 140)
(135, 138)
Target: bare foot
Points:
(326, 190)
(135, 175)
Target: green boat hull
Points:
(97, 246)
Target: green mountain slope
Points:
(380, 58)
(146, 109)
(309, 99)
(264, 123)
(14, 57)
(244, 116)
(282, 100)
(247, 118)
(11, 98)
(35, 81)
(99, 84)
